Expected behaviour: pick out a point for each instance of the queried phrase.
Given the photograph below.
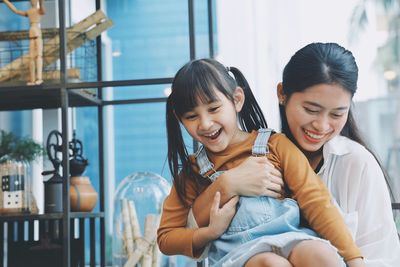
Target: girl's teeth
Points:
(212, 134)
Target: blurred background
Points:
(260, 37)
(152, 39)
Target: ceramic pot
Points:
(82, 194)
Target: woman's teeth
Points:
(312, 135)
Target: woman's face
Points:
(317, 114)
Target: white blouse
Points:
(358, 186)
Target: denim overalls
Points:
(261, 224)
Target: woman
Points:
(315, 99)
(315, 96)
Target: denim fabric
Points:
(260, 218)
(261, 224)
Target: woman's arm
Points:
(363, 193)
(313, 197)
(255, 176)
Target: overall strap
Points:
(260, 147)
(205, 165)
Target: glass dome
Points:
(138, 202)
(15, 184)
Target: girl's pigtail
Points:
(177, 152)
(251, 116)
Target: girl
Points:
(208, 102)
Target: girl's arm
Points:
(313, 197)
(220, 218)
(255, 176)
(174, 237)
(14, 9)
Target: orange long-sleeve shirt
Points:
(307, 189)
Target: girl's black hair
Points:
(196, 83)
(323, 63)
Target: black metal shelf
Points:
(33, 97)
(57, 229)
(49, 216)
(64, 94)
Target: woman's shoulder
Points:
(350, 150)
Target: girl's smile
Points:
(215, 124)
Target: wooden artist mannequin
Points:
(35, 39)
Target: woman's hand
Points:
(256, 176)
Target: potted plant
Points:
(16, 153)
(18, 148)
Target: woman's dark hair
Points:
(322, 63)
(193, 84)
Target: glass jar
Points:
(15, 187)
(138, 204)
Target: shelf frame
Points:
(65, 94)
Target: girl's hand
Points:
(220, 218)
(358, 262)
(255, 176)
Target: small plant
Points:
(18, 148)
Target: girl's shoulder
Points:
(279, 144)
(280, 140)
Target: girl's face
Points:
(215, 124)
(317, 114)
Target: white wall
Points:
(260, 36)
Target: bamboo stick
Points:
(136, 234)
(127, 227)
(144, 244)
(146, 259)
